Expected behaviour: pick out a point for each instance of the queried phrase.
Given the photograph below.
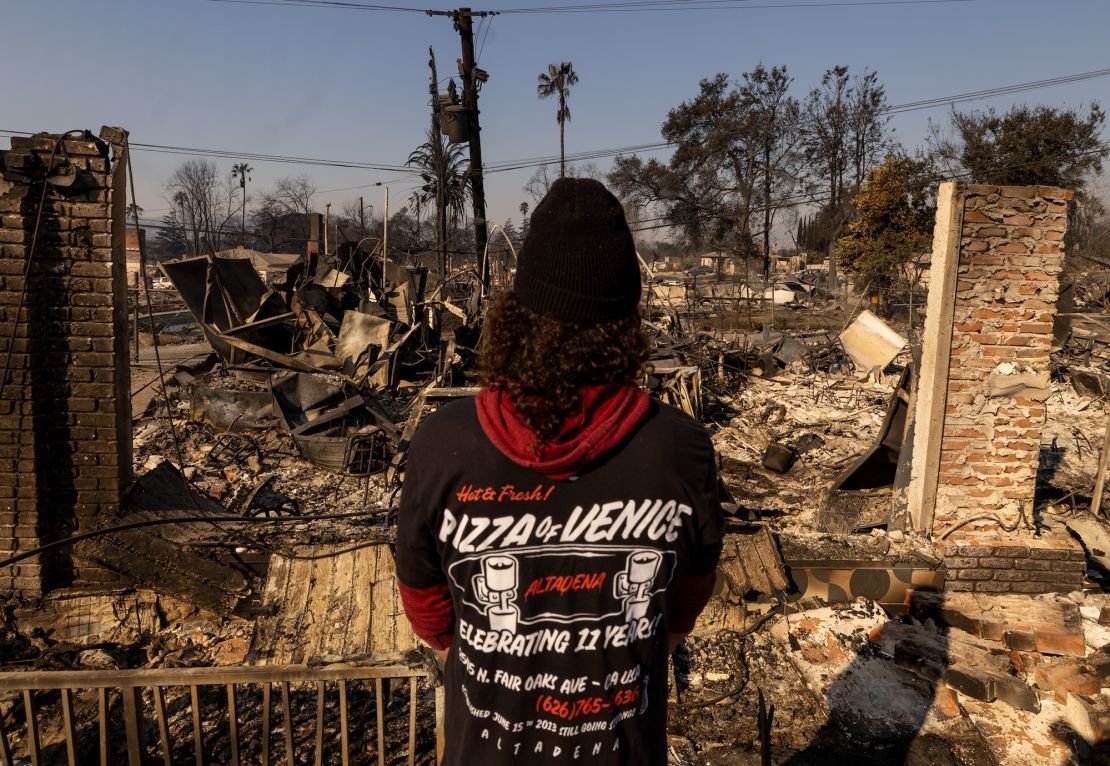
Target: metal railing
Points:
(34, 691)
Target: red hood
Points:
(608, 414)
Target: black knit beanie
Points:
(578, 262)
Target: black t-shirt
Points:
(560, 588)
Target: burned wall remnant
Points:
(987, 563)
(65, 442)
(997, 255)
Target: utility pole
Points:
(472, 77)
(437, 137)
(464, 23)
(385, 236)
(361, 217)
(243, 171)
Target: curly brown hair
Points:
(541, 362)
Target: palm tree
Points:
(558, 80)
(443, 171)
(242, 171)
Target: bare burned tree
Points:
(195, 190)
(295, 193)
(538, 185)
(352, 222)
(282, 215)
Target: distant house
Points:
(788, 264)
(725, 264)
(667, 263)
(270, 266)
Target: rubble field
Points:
(830, 638)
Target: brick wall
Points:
(1011, 254)
(986, 564)
(979, 408)
(65, 444)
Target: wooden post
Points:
(33, 741)
(1100, 477)
(441, 740)
(936, 353)
(133, 725)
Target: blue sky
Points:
(352, 85)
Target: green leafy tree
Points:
(557, 81)
(172, 240)
(710, 186)
(892, 229)
(512, 233)
(845, 132)
(1027, 145)
(443, 173)
(441, 166)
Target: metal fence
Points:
(159, 317)
(53, 717)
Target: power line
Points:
(631, 6)
(789, 202)
(325, 4)
(575, 156)
(646, 4)
(527, 162)
(998, 91)
(802, 200)
(255, 156)
(258, 157)
(717, 5)
(487, 22)
(398, 169)
(893, 109)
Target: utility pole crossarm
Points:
(455, 14)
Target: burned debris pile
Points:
(338, 349)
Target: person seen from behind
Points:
(558, 534)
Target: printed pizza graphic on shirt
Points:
(634, 584)
(496, 588)
(535, 585)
